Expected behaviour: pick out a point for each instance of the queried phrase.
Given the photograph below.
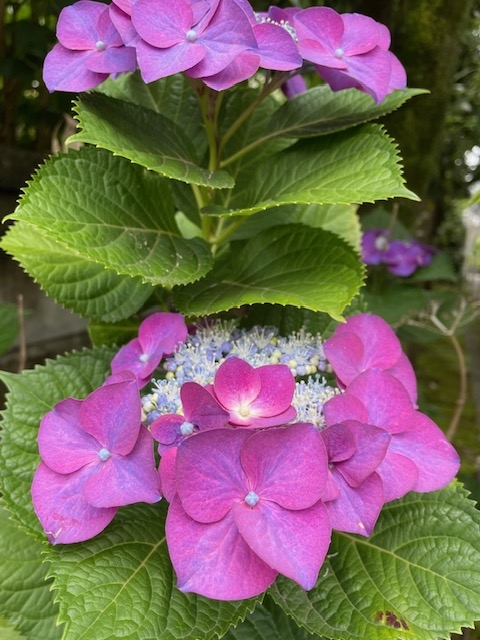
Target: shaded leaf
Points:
(9, 326)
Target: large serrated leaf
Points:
(293, 264)
(320, 111)
(26, 599)
(144, 137)
(77, 283)
(31, 394)
(417, 576)
(114, 213)
(350, 167)
(121, 584)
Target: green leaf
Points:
(416, 577)
(124, 220)
(173, 97)
(268, 624)
(144, 137)
(320, 111)
(9, 326)
(355, 166)
(111, 334)
(340, 219)
(75, 282)
(31, 394)
(25, 595)
(121, 584)
(294, 265)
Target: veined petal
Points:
(163, 26)
(276, 390)
(294, 543)
(213, 559)
(399, 475)
(65, 70)
(62, 510)
(123, 480)
(112, 415)
(162, 332)
(371, 446)
(201, 408)
(362, 34)
(63, 444)
(276, 47)
(236, 384)
(209, 474)
(77, 26)
(157, 63)
(113, 60)
(244, 66)
(167, 471)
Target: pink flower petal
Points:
(112, 415)
(318, 28)
(62, 510)
(293, 543)
(64, 70)
(201, 408)
(63, 443)
(166, 430)
(213, 560)
(276, 391)
(123, 480)
(362, 34)
(286, 465)
(209, 473)
(399, 475)
(163, 28)
(77, 24)
(236, 385)
(167, 470)
(276, 47)
(162, 331)
(371, 447)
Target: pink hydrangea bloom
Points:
(96, 457)
(349, 50)
(255, 397)
(248, 507)
(158, 335)
(364, 342)
(89, 49)
(419, 457)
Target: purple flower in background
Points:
(419, 457)
(404, 258)
(374, 244)
(255, 397)
(158, 335)
(349, 51)
(88, 51)
(354, 494)
(200, 412)
(96, 457)
(366, 342)
(248, 507)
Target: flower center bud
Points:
(104, 454)
(251, 498)
(144, 357)
(191, 35)
(100, 45)
(381, 243)
(187, 428)
(339, 53)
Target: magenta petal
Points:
(371, 447)
(62, 510)
(345, 407)
(244, 66)
(77, 24)
(320, 24)
(272, 421)
(123, 24)
(162, 28)
(167, 470)
(112, 415)
(402, 370)
(339, 441)
(209, 473)
(236, 384)
(123, 480)
(201, 408)
(293, 543)
(162, 332)
(356, 510)
(286, 465)
(63, 443)
(213, 560)
(158, 63)
(113, 60)
(362, 34)
(399, 475)
(276, 391)
(64, 70)
(276, 47)
(426, 445)
(166, 430)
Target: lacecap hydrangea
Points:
(260, 458)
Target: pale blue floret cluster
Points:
(199, 358)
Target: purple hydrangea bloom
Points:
(419, 457)
(158, 335)
(255, 397)
(364, 342)
(88, 51)
(200, 412)
(374, 244)
(404, 258)
(349, 51)
(248, 506)
(354, 494)
(96, 457)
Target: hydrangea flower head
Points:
(404, 258)
(158, 335)
(88, 51)
(374, 244)
(249, 504)
(349, 51)
(96, 457)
